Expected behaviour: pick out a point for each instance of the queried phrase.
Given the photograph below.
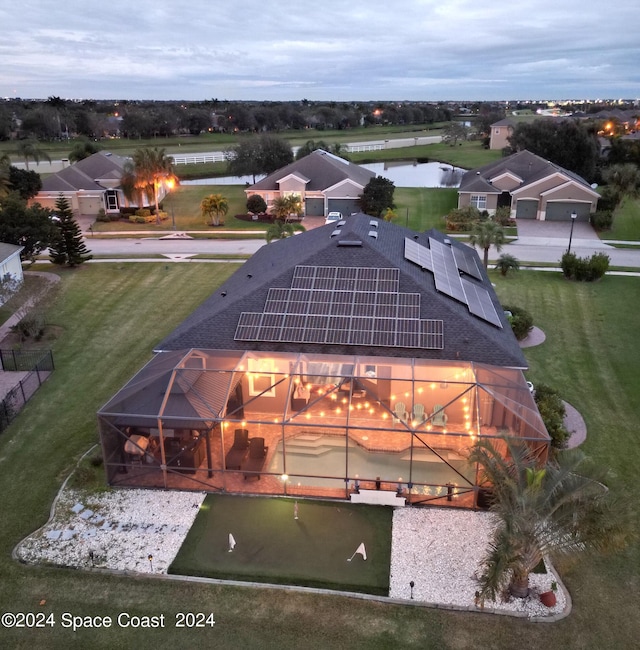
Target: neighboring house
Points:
(10, 269)
(532, 187)
(358, 355)
(501, 131)
(323, 182)
(90, 185)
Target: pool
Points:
(310, 459)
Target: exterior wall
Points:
(12, 266)
(499, 135)
(292, 185)
(344, 191)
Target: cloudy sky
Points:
(321, 50)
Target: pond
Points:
(403, 174)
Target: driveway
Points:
(555, 229)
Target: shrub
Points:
(521, 321)
(102, 215)
(552, 411)
(462, 218)
(503, 215)
(256, 204)
(584, 269)
(602, 220)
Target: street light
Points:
(171, 183)
(574, 216)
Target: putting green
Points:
(272, 546)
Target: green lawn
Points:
(273, 546)
(111, 315)
(626, 222)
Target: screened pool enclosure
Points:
(313, 425)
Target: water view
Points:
(433, 174)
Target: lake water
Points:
(431, 174)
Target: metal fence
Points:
(38, 364)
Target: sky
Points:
(327, 50)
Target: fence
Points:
(38, 364)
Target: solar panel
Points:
(418, 254)
(467, 262)
(445, 270)
(480, 303)
(341, 305)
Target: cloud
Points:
(406, 49)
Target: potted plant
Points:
(548, 598)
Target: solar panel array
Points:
(446, 263)
(342, 305)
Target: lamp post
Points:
(574, 216)
(170, 183)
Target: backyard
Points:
(103, 317)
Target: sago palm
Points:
(563, 507)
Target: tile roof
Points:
(466, 337)
(320, 169)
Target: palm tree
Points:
(5, 178)
(281, 230)
(284, 206)
(562, 507)
(147, 171)
(31, 149)
(486, 234)
(507, 263)
(214, 206)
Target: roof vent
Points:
(373, 223)
(447, 241)
(350, 242)
(341, 223)
(373, 233)
(223, 294)
(334, 233)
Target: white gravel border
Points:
(439, 549)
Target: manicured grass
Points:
(422, 208)
(273, 546)
(111, 316)
(626, 222)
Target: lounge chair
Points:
(418, 413)
(256, 459)
(238, 451)
(400, 412)
(439, 417)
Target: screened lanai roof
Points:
(192, 389)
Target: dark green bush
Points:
(552, 411)
(602, 220)
(584, 269)
(521, 321)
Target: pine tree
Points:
(67, 245)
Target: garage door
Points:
(561, 211)
(314, 207)
(346, 206)
(527, 209)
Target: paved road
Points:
(526, 249)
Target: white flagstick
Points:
(361, 550)
(295, 510)
(232, 542)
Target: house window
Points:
(479, 201)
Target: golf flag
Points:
(362, 550)
(232, 542)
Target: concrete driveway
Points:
(555, 229)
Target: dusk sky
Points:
(330, 50)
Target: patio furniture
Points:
(256, 458)
(439, 417)
(136, 447)
(239, 449)
(418, 413)
(400, 412)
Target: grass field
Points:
(110, 316)
(273, 546)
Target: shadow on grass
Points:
(272, 546)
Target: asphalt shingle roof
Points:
(86, 174)
(466, 337)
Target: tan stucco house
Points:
(532, 187)
(323, 182)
